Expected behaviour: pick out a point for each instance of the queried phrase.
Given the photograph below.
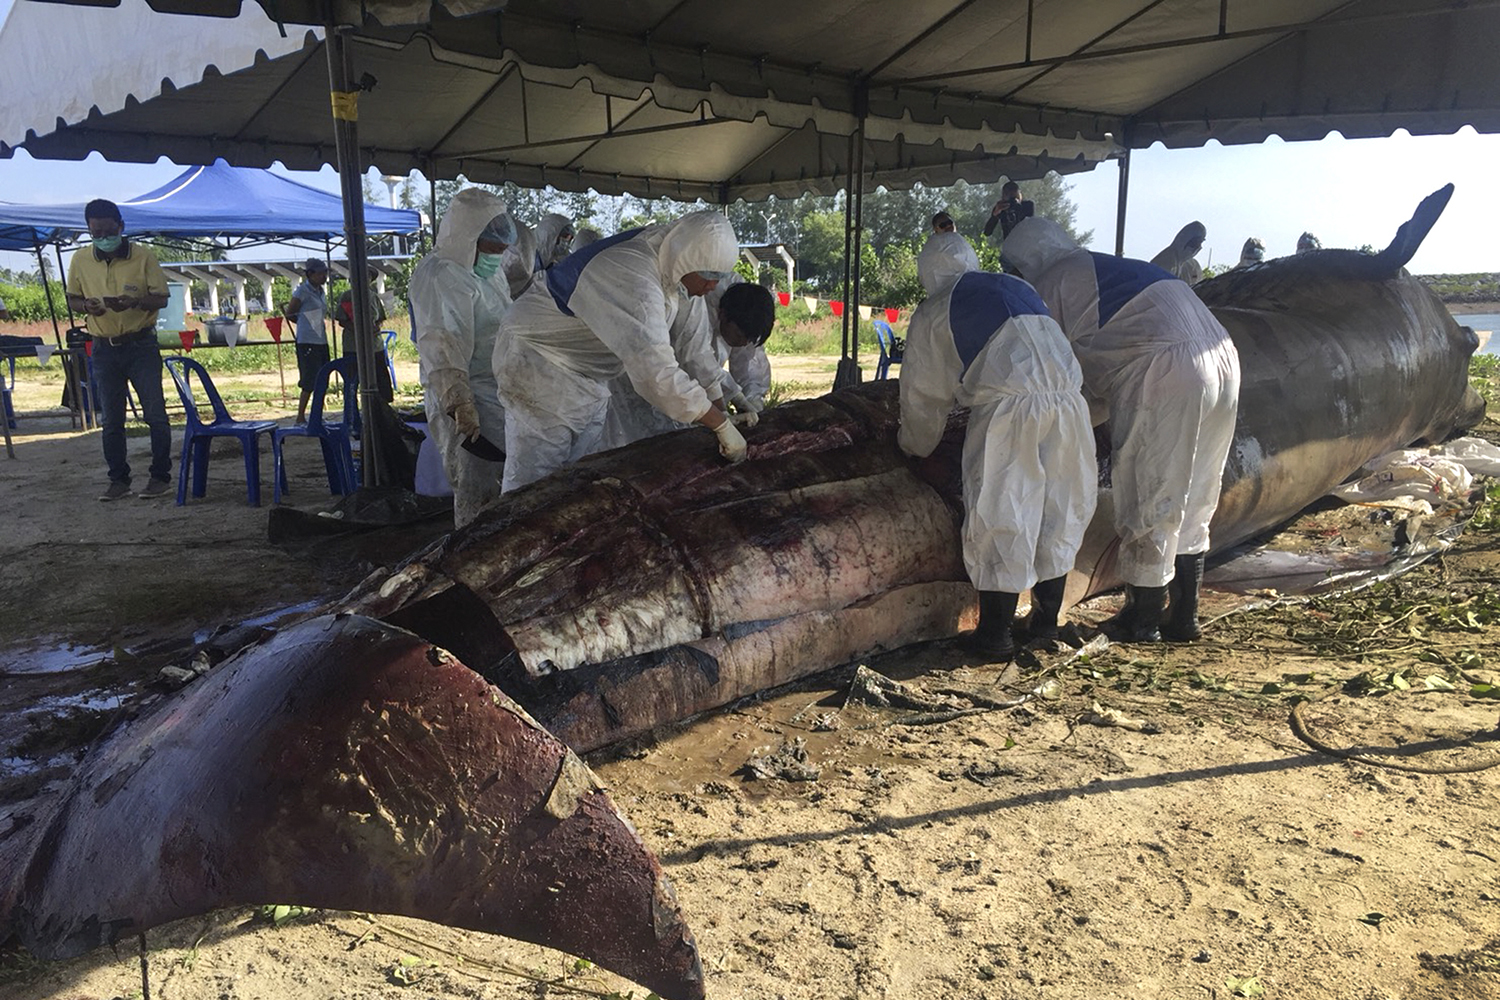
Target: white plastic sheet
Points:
(1439, 474)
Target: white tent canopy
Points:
(488, 117)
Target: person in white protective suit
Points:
(1253, 252)
(605, 310)
(629, 417)
(585, 237)
(1179, 258)
(1307, 243)
(554, 239)
(703, 334)
(519, 262)
(458, 297)
(740, 331)
(1169, 375)
(986, 342)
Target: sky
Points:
(1348, 193)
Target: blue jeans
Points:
(139, 364)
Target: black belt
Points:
(148, 333)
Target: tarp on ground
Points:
(219, 200)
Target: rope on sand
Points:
(1299, 728)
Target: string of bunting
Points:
(892, 314)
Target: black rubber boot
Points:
(1182, 617)
(1046, 605)
(992, 639)
(1140, 619)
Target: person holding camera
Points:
(1009, 210)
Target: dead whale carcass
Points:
(650, 583)
(345, 764)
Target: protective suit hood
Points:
(1193, 233)
(552, 225)
(1034, 245)
(700, 241)
(944, 258)
(468, 214)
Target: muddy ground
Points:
(1008, 853)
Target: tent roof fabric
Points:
(220, 200)
(492, 118)
(724, 98)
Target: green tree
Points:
(526, 204)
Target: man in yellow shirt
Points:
(120, 285)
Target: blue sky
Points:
(1347, 192)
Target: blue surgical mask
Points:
(486, 264)
(107, 244)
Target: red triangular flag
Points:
(891, 315)
(273, 323)
(187, 337)
(785, 298)
(837, 307)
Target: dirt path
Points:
(1005, 854)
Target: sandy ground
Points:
(1008, 853)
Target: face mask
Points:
(486, 264)
(107, 244)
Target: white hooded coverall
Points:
(548, 249)
(1180, 257)
(1030, 481)
(519, 263)
(630, 418)
(1169, 375)
(455, 319)
(603, 310)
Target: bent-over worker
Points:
(986, 342)
(1169, 375)
(605, 310)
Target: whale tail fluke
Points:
(1413, 231)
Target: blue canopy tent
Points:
(241, 204)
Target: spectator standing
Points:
(344, 315)
(1009, 210)
(120, 285)
(307, 308)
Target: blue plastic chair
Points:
(390, 357)
(334, 436)
(889, 355)
(8, 385)
(198, 435)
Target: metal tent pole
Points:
(847, 373)
(851, 306)
(41, 270)
(86, 416)
(346, 134)
(1120, 203)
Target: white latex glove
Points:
(731, 442)
(466, 416)
(746, 419)
(742, 404)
